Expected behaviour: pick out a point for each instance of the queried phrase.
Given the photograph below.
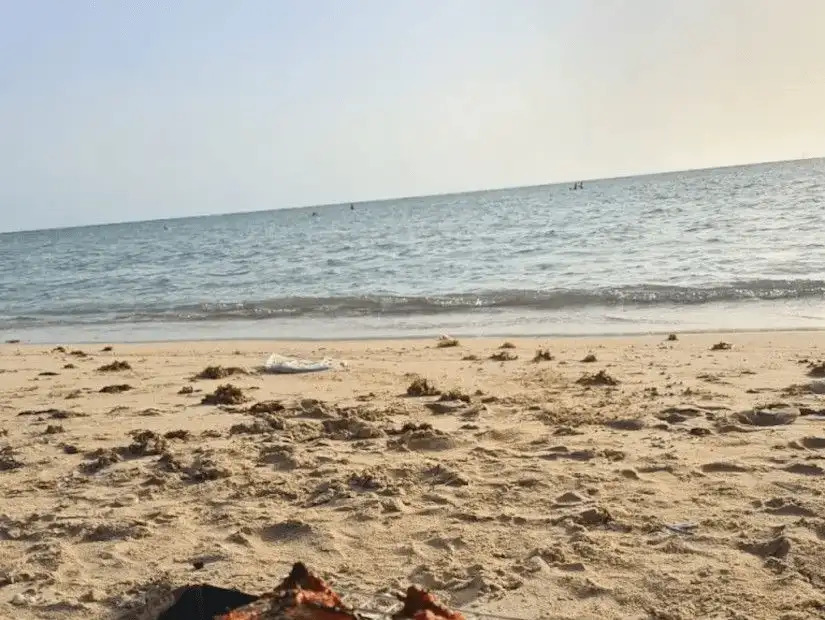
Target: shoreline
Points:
(422, 339)
(789, 315)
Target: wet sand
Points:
(663, 479)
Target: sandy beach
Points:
(613, 478)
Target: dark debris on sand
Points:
(219, 372)
(78, 353)
(54, 414)
(266, 406)
(99, 460)
(455, 395)
(409, 427)
(543, 355)
(116, 389)
(227, 394)
(589, 359)
(507, 345)
(816, 369)
(8, 460)
(504, 356)
(107, 349)
(116, 366)
(721, 346)
(145, 443)
(422, 387)
(600, 379)
(672, 338)
(186, 389)
(447, 343)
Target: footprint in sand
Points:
(805, 469)
(626, 424)
(724, 467)
(813, 443)
(786, 508)
(777, 415)
(291, 529)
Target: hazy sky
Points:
(120, 110)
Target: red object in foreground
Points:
(422, 605)
(303, 596)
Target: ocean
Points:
(739, 248)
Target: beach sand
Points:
(658, 497)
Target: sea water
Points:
(724, 249)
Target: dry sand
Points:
(540, 498)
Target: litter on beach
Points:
(281, 365)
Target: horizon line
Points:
(414, 196)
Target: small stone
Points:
(21, 600)
(393, 506)
(535, 564)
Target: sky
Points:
(120, 110)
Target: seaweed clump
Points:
(422, 387)
(116, 389)
(225, 395)
(116, 366)
(543, 355)
(600, 379)
(219, 372)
